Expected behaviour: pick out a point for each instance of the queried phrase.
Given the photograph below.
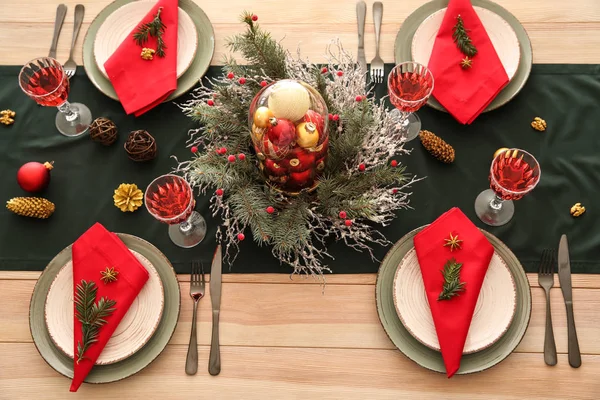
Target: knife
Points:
(214, 362)
(361, 16)
(564, 276)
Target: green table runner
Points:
(86, 174)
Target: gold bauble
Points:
(257, 133)
(500, 150)
(262, 115)
(289, 100)
(128, 197)
(307, 135)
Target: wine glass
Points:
(169, 199)
(513, 174)
(44, 80)
(409, 86)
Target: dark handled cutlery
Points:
(214, 362)
(546, 281)
(61, 13)
(564, 276)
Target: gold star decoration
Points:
(109, 275)
(466, 63)
(454, 242)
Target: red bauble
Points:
(300, 180)
(282, 132)
(273, 151)
(299, 160)
(274, 168)
(34, 176)
(317, 119)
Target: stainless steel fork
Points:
(546, 280)
(71, 66)
(377, 62)
(196, 293)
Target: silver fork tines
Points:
(377, 62)
(71, 66)
(546, 281)
(196, 293)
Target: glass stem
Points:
(187, 226)
(496, 203)
(70, 114)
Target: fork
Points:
(377, 63)
(546, 280)
(71, 66)
(196, 293)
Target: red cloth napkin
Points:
(465, 93)
(93, 252)
(140, 84)
(452, 318)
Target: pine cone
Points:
(437, 147)
(31, 207)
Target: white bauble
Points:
(289, 100)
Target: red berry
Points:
(394, 163)
(358, 98)
(210, 103)
(324, 70)
(241, 236)
(343, 214)
(336, 117)
(340, 73)
(194, 149)
(270, 210)
(230, 75)
(263, 83)
(394, 191)
(222, 150)
(347, 222)
(242, 81)
(242, 156)
(361, 167)
(331, 117)
(255, 18)
(219, 192)
(231, 158)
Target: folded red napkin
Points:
(452, 318)
(143, 84)
(465, 93)
(95, 251)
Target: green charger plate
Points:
(131, 365)
(403, 44)
(431, 359)
(199, 66)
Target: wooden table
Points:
(287, 339)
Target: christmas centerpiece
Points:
(297, 154)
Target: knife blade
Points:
(564, 276)
(361, 16)
(214, 362)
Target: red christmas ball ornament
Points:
(324, 70)
(300, 180)
(343, 214)
(219, 192)
(242, 81)
(299, 160)
(394, 163)
(241, 156)
(271, 150)
(336, 117)
(315, 118)
(274, 168)
(348, 222)
(210, 102)
(340, 73)
(270, 210)
(34, 176)
(263, 83)
(362, 167)
(282, 132)
(241, 236)
(231, 158)
(255, 18)
(358, 98)
(194, 149)
(230, 75)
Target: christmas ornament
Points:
(500, 150)
(437, 147)
(128, 197)
(273, 168)
(34, 176)
(301, 180)
(307, 135)
(156, 29)
(452, 284)
(315, 118)
(103, 131)
(577, 210)
(109, 275)
(35, 207)
(282, 132)
(140, 146)
(299, 160)
(462, 39)
(538, 124)
(147, 54)
(466, 63)
(7, 117)
(262, 115)
(453, 242)
(289, 99)
(271, 150)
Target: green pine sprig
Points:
(91, 314)
(452, 284)
(462, 39)
(155, 28)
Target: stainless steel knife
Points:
(214, 362)
(564, 276)
(361, 16)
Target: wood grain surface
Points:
(285, 338)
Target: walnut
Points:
(577, 210)
(538, 124)
(147, 53)
(7, 117)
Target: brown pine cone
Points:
(437, 147)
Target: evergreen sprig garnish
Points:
(462, 39)
(452, 284)
(155, 28)
(91, 314)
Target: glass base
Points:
(411, 125)
(190, 233)
(77, 127)
(491, 214)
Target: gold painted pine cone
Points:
(437, 147)
(35, 207)
(128, 197)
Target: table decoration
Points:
(128, 197)
(538, 124)
(577, 210)
(103, 131)
(35, 207)
(141, 146)
(437, 147)
(359, 176)
(7, 117)
(34, 176)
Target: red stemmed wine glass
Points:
(44, 80)
(170, 199)
(513, 174)
(409, 86)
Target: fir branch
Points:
(452, 284)
(92, 316)
(155, 28)
(248, 205)
(462, 39)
